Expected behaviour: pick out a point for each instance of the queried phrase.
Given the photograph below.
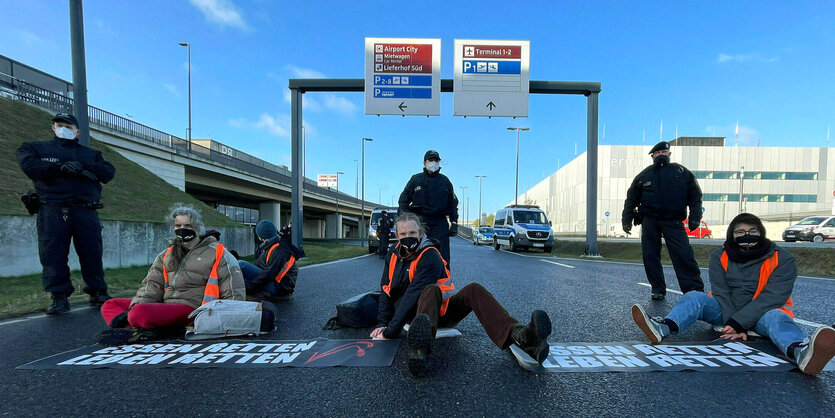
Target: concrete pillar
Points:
(270, 211)
(333, 225)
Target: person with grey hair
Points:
(194, 270)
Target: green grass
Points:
(22, 295)
(123, 198)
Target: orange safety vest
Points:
(212, 291)
(286, 267)
(444, 282)
(767, 268)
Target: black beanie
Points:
(744, 218)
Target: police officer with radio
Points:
(67, 178)
(430, 195)
(658, 199)
(383, 231)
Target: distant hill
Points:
(135, 194)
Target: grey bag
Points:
(230, 318)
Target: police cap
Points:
(432, 155)
(65, 117)
(661, 146)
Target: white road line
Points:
(39, 316)
(554, 262)
(335, 261)
(799, 321)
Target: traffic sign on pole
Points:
(402, 76)
(491, 78)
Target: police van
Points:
(522, 227)
(373, 239)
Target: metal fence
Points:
(30, 93)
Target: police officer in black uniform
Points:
(67, 177)
(430, 195)
(658, 199)
(383, 232)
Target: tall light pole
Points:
(357, 181)
(364, 232)
(338, 221)
(516, 196)
(463, 200)
(479, 197)
(380, 194)
(188, 45)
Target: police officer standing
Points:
(430, 195)
(658, 199)
(383, 232)
(68, 177)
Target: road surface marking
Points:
(668, 289)
(554, 262)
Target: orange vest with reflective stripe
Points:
(767, 268)
(212, 291)
(286, 267)
(444, 282)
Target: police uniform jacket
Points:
(665, 193)
(41, 162)
(398, 308)
(429, 195)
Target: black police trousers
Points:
(681, 253)
(438, 229)
(384, 243)
(57, 225)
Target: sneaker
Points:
(60, 304)
(812, 357)
(533, 338)
(99, 297)
(657, 296)
(654, 328)
(419, 339)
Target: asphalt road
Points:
(469, 377)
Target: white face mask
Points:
(432, 166)
(64, 132)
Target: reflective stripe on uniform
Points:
(286, 267)
(212, 291)
(444, 282)
(766, 269)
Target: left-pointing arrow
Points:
(402, 106)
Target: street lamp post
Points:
(364, 232)
(357, 181)
(479, 197)
(516, 196)
(463, 200)
(338, 220)
(188, 45)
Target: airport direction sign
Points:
(327, 180)
(402, 76)
(491, 78)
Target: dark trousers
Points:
(678, 245)
(438, 229)
(384, 242)
(57, 226)
(472, 298)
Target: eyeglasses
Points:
(741, 232)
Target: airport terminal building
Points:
(776, 183)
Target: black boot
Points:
(419, 338)
(533, 338)
(98, 297)
(121, 336)
(60, 304)
(119, 321)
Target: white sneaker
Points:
(653, 328)
(812, 357)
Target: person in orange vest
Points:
(194, 270)
(273, 276)
(416, 287)
(751, 280)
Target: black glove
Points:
(89, 175)
(693, 225)
(627, 227)
(453, 229)
(72, 167)
(120, 320)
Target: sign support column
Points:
(297, 179)
(591, 178)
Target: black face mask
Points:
(748, 242)
(661, 160)
(408, 246)
(186, 234)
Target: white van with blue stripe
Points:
(522, 227)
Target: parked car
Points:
(482, 235)
(813, 228)
(701, 232)
(373, 240)
(522, 227)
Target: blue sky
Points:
(699, 66)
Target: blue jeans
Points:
(774, 324)
(251, 271)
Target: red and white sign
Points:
(328, 180)
(491, 78)
(403, 58)
(402, 76)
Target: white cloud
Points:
(104, 28)
(747, 135)
(308, 102)
(223, 12)
(278, 125)
(753, 56)
(171, 88)
(29, 38)
(340, 104)
(298, 72)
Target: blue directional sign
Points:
(607, 213)
(402, 76)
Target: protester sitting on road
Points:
(751, 280)
(191, 272)
(416, 286)
(273, 276)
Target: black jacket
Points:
(429, 195)
(41, 162)
(399, 307)
(665, 193)
(278, 259)
(383, 226)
